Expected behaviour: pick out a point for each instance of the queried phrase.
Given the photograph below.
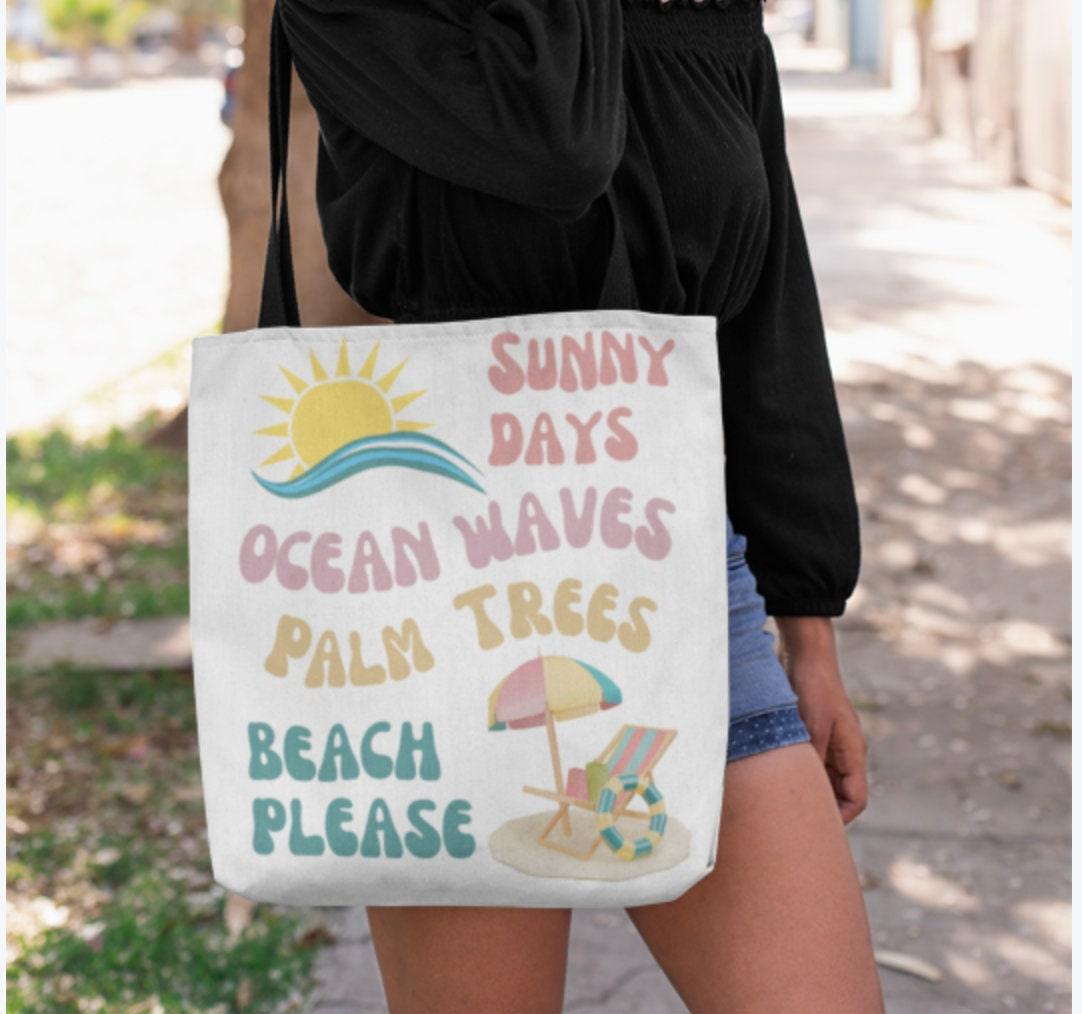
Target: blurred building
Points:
(995, 74)
(25, 24)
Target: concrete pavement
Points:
(948, 305)
(116, 242)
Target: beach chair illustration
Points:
(632, 755)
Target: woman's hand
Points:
(810, 657)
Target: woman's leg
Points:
(779, 925)
(475, 960)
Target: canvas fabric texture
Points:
(437, 567)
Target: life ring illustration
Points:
(616, 787)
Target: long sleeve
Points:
(790, 483)
(520, 99)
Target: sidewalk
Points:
(947, 303)
(948, 307)
(127, 256)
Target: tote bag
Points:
(459, 600)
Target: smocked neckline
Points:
(723, 27)
(666, 5)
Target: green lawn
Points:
(111, 902)
(95, 528)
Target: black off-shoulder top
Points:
(464, 148)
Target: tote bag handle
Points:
(278, 306)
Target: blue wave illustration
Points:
(381, 451)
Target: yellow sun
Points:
(329, 412)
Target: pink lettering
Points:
(656, 374)
(257, 553)
(489, 541)
(531, 519)
(622, 445)
(544, 444)
(506, 439)
(507, 376)
(614, 532)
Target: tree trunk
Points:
(245, 189)
(244, 184)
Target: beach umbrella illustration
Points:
(546, 690)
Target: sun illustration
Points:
(329, 412)
(348, 424)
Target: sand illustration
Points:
(516, 844)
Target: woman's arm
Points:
(521, 99)
(810, 657)
(789, 480)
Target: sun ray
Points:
(282, 404)
(412, 427)
(318, 373)
(403, 400)
(386, 382)
(295, 382)
(369, 368)
(297, 470)
(284, 453)
(342, 369)
(277, 430)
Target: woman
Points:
(474, 155)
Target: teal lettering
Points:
(459, 844)
(268, 815)
(380, 822)
(338, 759)
(265, 764)
(298, 741)
(405, 768)
(301, 844)
(376, 765)
(424, 842)
(341, 841)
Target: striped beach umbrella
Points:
(549, 686)
(546, 690)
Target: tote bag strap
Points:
(278, 305)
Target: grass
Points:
(153, 949)
(95, 528)
(111, 902)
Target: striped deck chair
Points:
(634, 750)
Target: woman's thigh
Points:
(474, 960)
(779, 925)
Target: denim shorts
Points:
(762, 706)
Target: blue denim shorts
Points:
(762, 706)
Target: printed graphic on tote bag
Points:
(604, 819)
(550, 689)
(342, 425)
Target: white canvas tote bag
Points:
(459, 601)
